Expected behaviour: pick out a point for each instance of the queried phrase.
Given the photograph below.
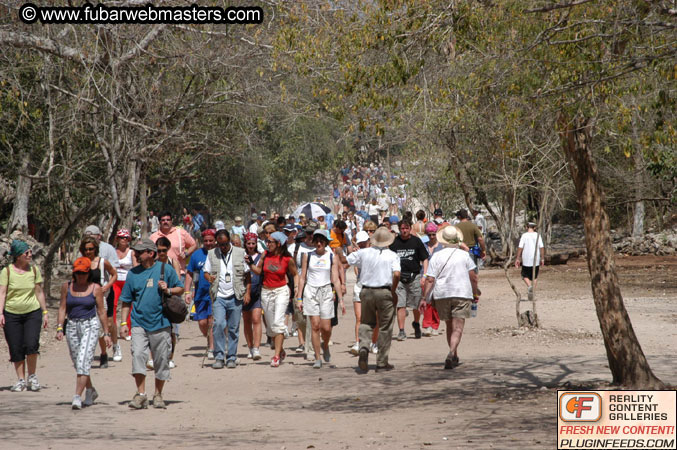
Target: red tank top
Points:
(275, 271)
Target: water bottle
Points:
(473, 309)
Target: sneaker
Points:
(362, 363)
(19, 386)
(77, 402)
(275, 361)
(139, 401)
(299, 349)
(150, 365)
(103, 361)
(250, 355)
(318, 364)
(256, 354)
(172, 365)
(417, 330)
(428, 331)
(310, 357)
(435, 332)
(402, 336)
(210, 355)
(32, 383)
(158, 402)
(231, 364)
(117, 353)
(326, 354)
(374, 348)
(218, 364)
(355, 349)
(90, 396)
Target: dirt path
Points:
(501, 396)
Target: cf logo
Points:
(580, 407)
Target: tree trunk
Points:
(19, 218)
(638, 159)
(627, 362)
(131, 186)
(143, 204)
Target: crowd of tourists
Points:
(284, 276)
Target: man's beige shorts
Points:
(452, 307)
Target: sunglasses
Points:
(142, 251)
(90, 249)
(161, 250)
(224, 244)
(432, 234)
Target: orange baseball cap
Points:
(82, 264)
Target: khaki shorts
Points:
(453, 307)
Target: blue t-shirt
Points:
(197, 262)
(329, 218)
(141, 289)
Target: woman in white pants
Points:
(276, 265)
(82, 301)
(315, 295)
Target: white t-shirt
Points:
(451, 278)
(304, 248)
(254, 228)
(373, 209)
(319, 269)
(226, 276)
(376, 265)
(527, 244)
(125, 265)
(481, 222)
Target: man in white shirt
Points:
(480, 221)
(227, 273)
(379, 275)
(254, 227)
(530, 251)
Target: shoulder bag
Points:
(173, 306)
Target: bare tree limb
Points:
(559, 6)
(25, 40)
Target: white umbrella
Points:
(311, 210)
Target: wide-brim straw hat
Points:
(382, 237)
(449, 235)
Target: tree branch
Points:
(559, 6)
(25, 40)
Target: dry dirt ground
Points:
(502, 396)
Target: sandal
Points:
(275, 361)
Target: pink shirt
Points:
(186, 241)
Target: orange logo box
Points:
(580, 407)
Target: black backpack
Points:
(173, 306)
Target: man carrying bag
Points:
(151, 330)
